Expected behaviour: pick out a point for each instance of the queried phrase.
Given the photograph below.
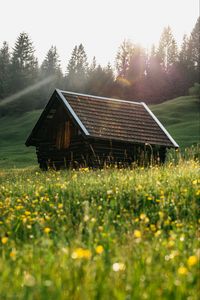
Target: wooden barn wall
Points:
(82, 152)
(109, 152)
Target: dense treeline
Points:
(164, 73)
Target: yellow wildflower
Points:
(142, 216)
(192, 260)
(171, 243)
(182, 271)
(13, 254)
(4, 240)
(137, 234)
(47, 230)
(161, 214)
(99, 249)
(158, 233)
(153, 227)
(81, 253)
(27, 213)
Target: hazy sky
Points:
(101, 25)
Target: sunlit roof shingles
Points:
(121, 120)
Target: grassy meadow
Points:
(104, 234)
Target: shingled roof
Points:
(115, 119)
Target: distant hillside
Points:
(180, 116)
(13, 133)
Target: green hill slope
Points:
(14, 131)
(180, 116)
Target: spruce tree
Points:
(184, 56)
(51, 64)
(77, 70)
(194, 50)
(4, 70)
(194, 44)
(167, 50)
(123, 57)
(100, 80)
(184, 67)
(131, 66)
(24, 65)
(50, 69)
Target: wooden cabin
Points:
(82, 130)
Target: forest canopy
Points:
(161, 74)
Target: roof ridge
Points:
(99, 97)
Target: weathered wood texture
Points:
(81, 153)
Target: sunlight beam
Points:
(27, 90)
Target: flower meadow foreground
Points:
(104, 234)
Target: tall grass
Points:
(103, 234)
(181, 155)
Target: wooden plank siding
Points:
(82, 153)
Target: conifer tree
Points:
(194, 51)
(51, 69)
(93, 65)
(184, 56)
(77, 69)
(100, 80)
(51, 63)
(24, 65)
(194, 44)
(4, 70)
(167, 50)
(123, 57)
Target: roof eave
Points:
(175, 145)
(97, 137)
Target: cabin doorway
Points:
(63, 135)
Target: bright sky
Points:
(101, 25)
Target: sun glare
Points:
(100, 25)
